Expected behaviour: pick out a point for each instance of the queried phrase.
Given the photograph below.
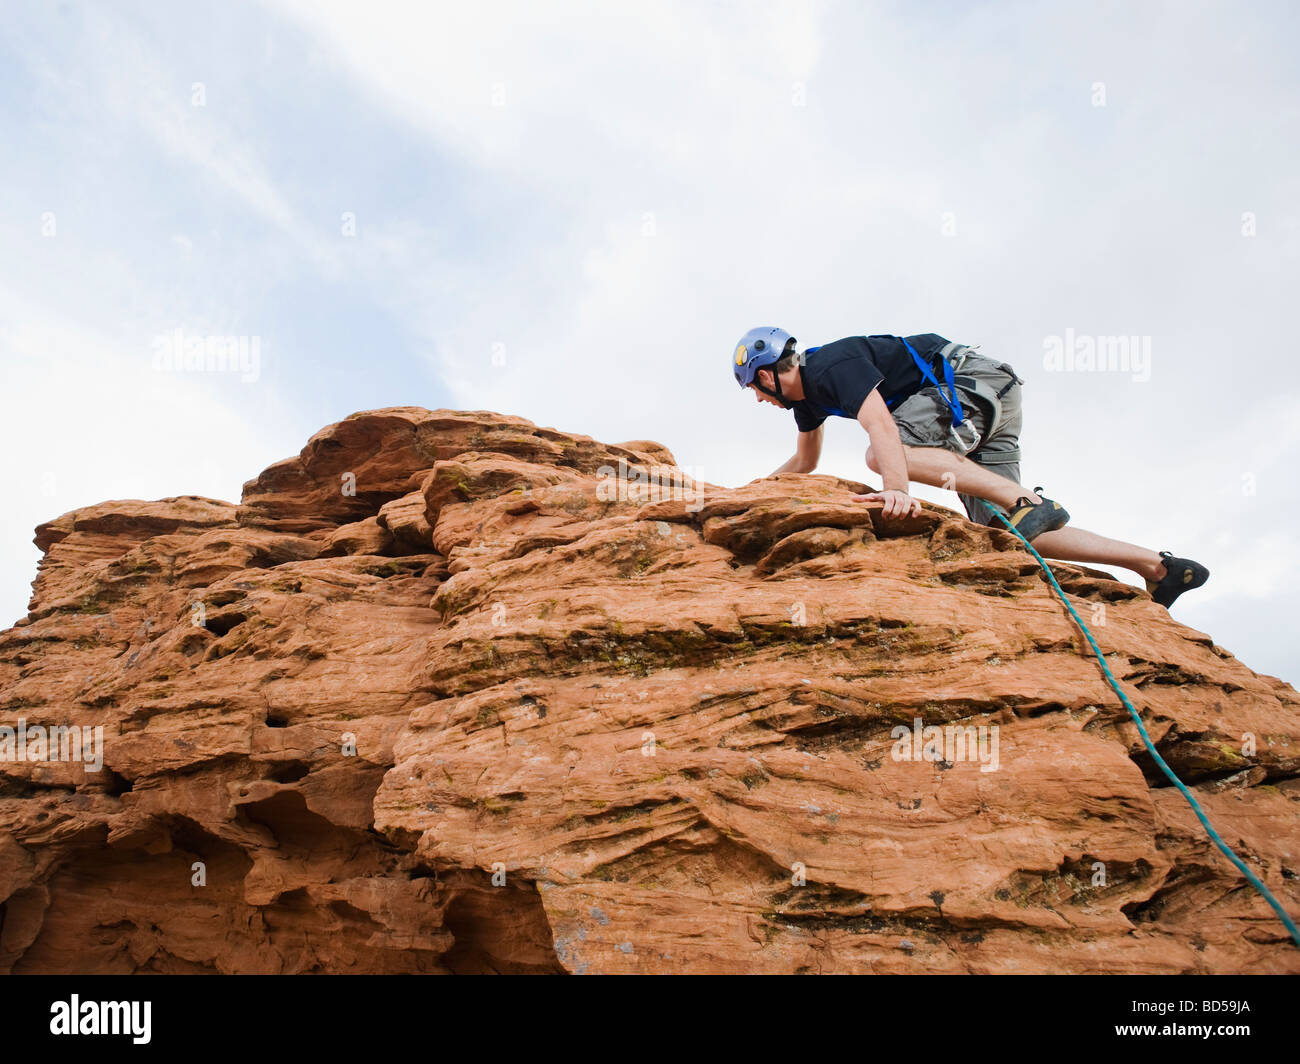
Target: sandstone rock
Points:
(443, 695)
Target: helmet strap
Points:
(778, 395)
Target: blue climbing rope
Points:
(1155, 754)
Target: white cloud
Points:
(826, 218)
(795, 163)
(95, 422)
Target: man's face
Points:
(765, 375)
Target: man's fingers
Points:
(896, 504)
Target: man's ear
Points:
(766, 383)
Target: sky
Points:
(572, 211)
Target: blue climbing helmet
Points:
(758, 349)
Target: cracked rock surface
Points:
(441, 694)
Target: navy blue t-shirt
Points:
(838, 377)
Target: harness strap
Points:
(952, 348)
(985, 458)
(1015, 379)
(954, 403)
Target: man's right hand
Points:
(897, 503)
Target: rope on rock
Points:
(1155, 754)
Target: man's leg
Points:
(945, 469)
(1070, 544)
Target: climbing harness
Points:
(951, 399)
(1155, 754)
(971, 441)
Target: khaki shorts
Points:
(924, 420)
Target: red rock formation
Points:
(437, 696)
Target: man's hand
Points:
(897, 503)
(891, 459)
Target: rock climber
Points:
(939, 413)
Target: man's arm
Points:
(807, 451)
(874, 416)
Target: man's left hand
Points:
(897, 503)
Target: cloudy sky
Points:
(572, 211)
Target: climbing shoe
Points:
(1181, 574)
(1032, 519)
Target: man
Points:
(938, 413)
